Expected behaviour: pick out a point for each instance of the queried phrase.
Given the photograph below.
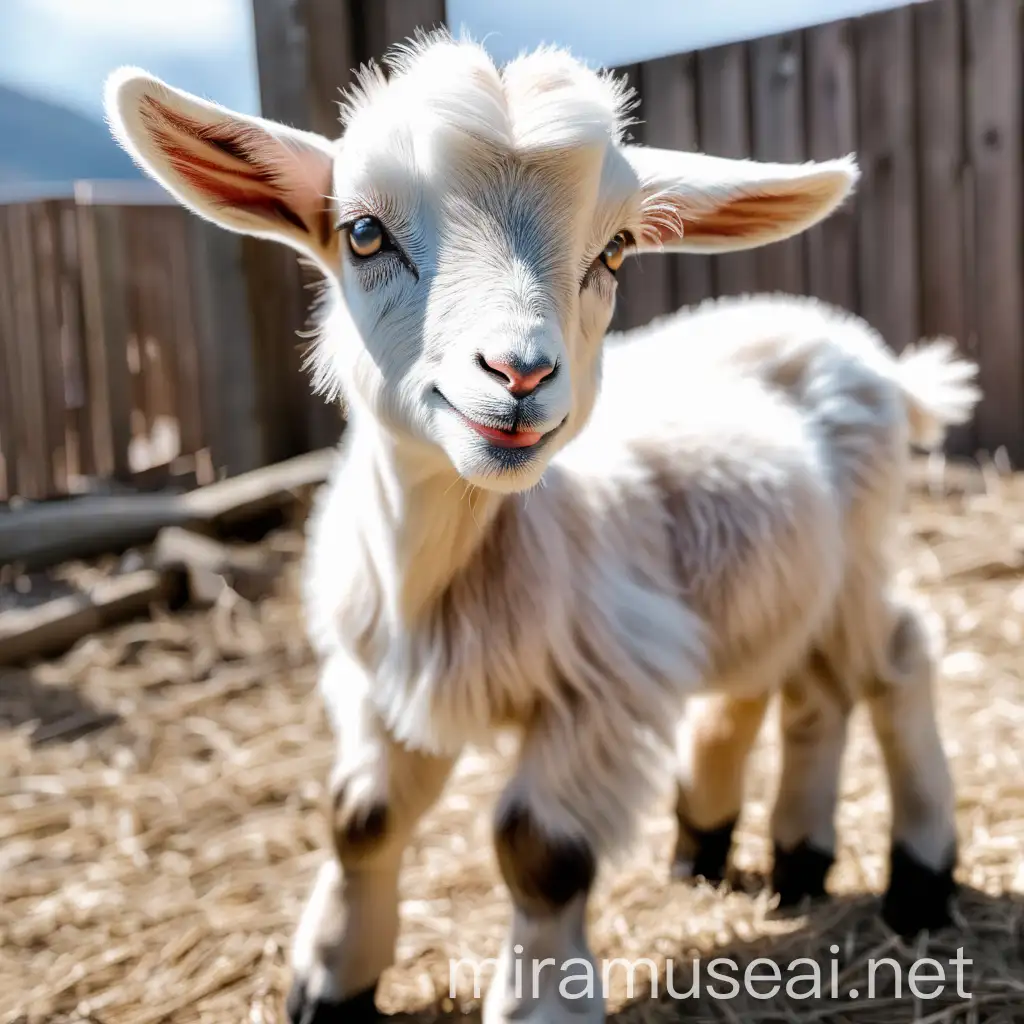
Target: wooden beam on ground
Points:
(56, 626)
(35, 536)
(236, 499)
(211, 567)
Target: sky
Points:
(612, 32)
(63, 49)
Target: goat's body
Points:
(701, 528)
(498, 547)
(712, 523)
(719, 532)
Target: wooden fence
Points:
(127, 352)
(136, 341)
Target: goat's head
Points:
(472, 219)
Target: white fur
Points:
(698, 536)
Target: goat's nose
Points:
(520, 376)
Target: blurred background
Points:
(141, 348)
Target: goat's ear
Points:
(244, 173)
(704, 204)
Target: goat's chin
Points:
(500, 470)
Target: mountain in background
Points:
(47, 143)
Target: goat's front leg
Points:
(713, 745)
(816, 705)
(573, 795)
(346, 937)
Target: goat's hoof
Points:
(709, 858)
(800, 873)
(360, 1008)
(918, 898)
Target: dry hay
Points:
(160, 823)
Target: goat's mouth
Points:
(513, 437)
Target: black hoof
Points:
(357, 1009)
(800, 873)
(711, 853)
(919, 898)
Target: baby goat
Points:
(716, 528)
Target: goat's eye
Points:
(614, 252)
(366, 237)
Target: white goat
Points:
(718, 521)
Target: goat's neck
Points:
(420, 522)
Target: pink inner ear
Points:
(747, 216)
(231, 164)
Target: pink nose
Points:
(519, 377)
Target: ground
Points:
(160, 823)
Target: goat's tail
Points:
(939, 388)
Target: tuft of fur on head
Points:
(546, 99)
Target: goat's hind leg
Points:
(346, 936)
(924, 850)
(814, 712)
(713, 745)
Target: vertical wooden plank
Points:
(941, 157)
(277, 283)
(402, 18)
(45, 224)
(332, 58)
(832, 132)
(74, 345)
(183, 330)
(35, 474)
(370, 25)
(106, 329)
(380, 24)
(232, 411)
(160, 362)
(644, 282)
(273, 273)
(155, 326)
(650, 282)
(888, 204)
(670, 110)
(994, 143)
(776, 70)
(138, 284)
(11, 422)
(635, 292)
(725, 131)
(7, 461)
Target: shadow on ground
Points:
(56, 713)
